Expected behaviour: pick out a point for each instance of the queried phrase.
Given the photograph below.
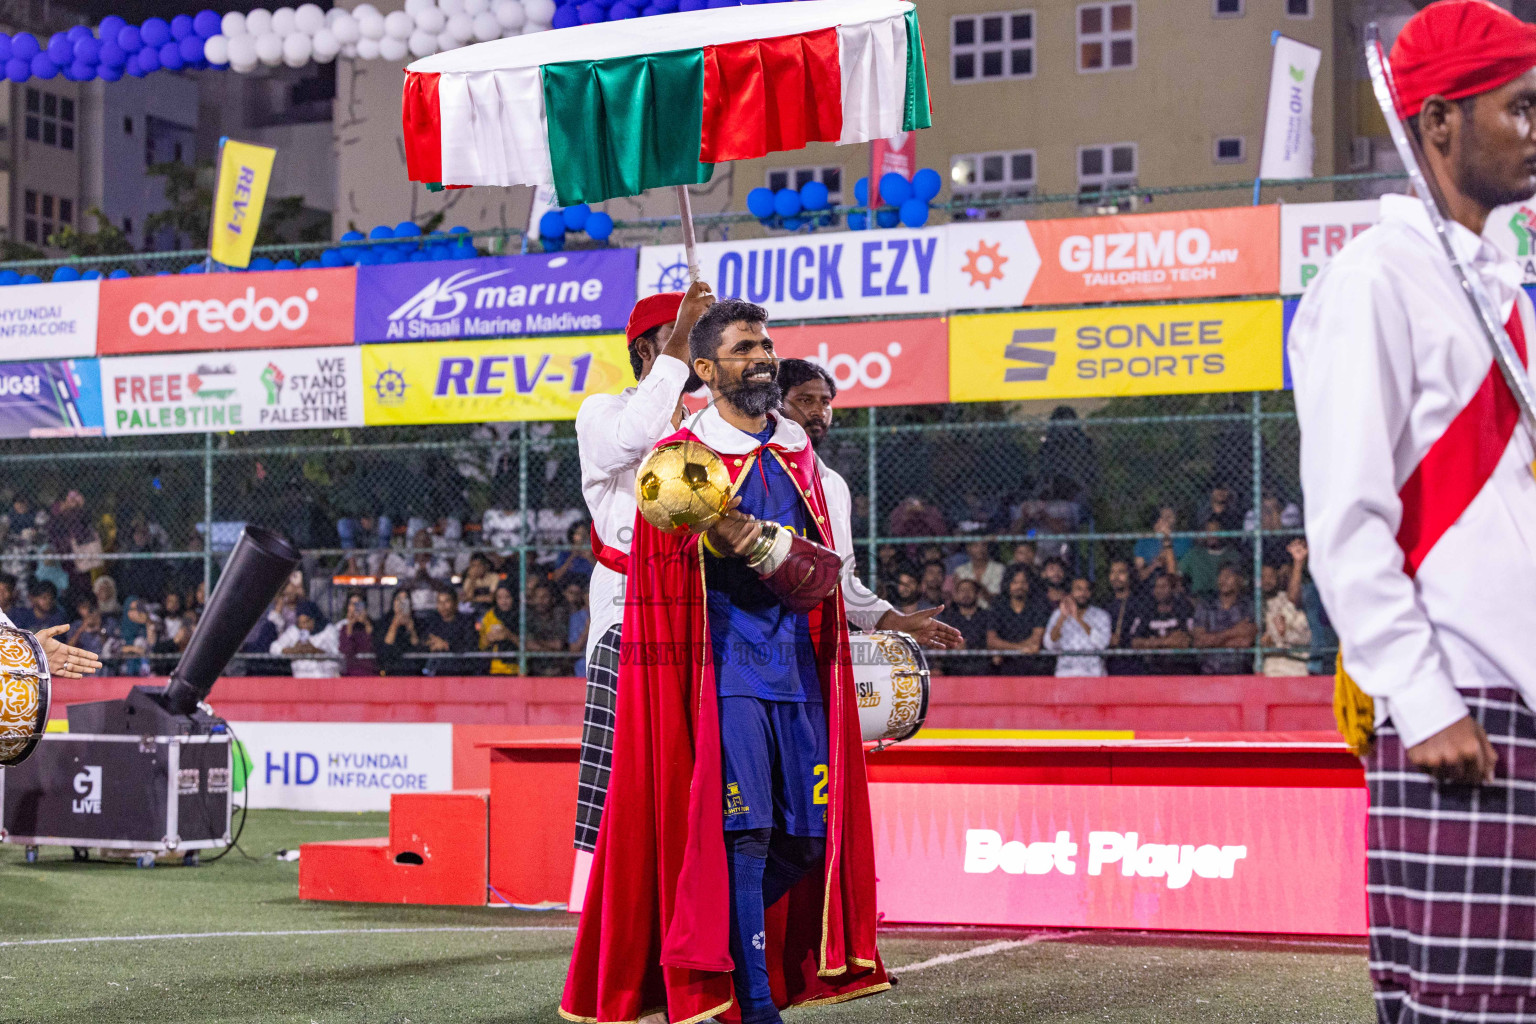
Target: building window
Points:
(1298, 8)
(1106, 36)
(1226, 8)
(128, 226)
(41, 212)
(127, 126)
(1102, 169)
(1231, 150)
(992, 175)
(798, 177)
(992, 46)
(66, 211)
(50, 119)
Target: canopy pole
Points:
(685, 210)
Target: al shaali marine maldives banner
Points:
(274, 389)
(52, 398)
(588, 291)
(490, 381)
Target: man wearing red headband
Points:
(1421, 517)
(613, 433)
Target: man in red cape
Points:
(655, 933)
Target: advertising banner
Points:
(1232, 859)
(49, 321)
(1288, 122)
(1513, 229)
(490, 381)
(344, 766)
(878, 362)
(55, 398)
(1311, 234)
(218, 312)
(496, 297)
(1110, 351)
(268, 390)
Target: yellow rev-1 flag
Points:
(244, 173)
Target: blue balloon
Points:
(553, 244)
(5, 48)
(858, 221)
(407, 229)
(30, 279)
(926, 184)
(108, 74)
(714, 4)
(66, 274)
(192, 268)
(155, 32)
(78, 33)
(78, 72)
(87, 51)
(565, 17)
(170, 56)
(552, 225)
(421, 256)
(285, 264)
(8, 277)
(861, 192)
(91, 275)
(181, 26)
(18, 70)
(786, 202)
(369, 258)
(666, 6)
(894, 189)
(794, 224)
(191, 49)
(443, 251)
(887, 218)
(60, 50)
(650, 11)
(622, 12)
(591, 13)
(814, 196)
(394, 256)
(381, 231)
(599, 226)
(464, 251)
(311, 265)
(110, 26)
(353, 236)
(332, 258)
(148, 59)
(43, 67)
(24, 46)
(458, 229)
(110, 55)
(118, 274)
(691, 5)
(760, 202)
(129, 39)
(914, 213)
(261, 263)
(575, 217)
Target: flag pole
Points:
(685, 210)
(213, 210)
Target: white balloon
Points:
(233, 24)
(242, 51)
(541, 11)
(284, 21)
(345, 29)
(365, 8)
(310, 18)
(509, 13)
(398, 25)
(422, 44)
(451, 7)
(370, 26)
(216, 49)
(430, 20)
(258, 22)
(474, 7)
(415, 7)
(327, 46)
(368, 49)
(462, 28)
(297, 49)
(349, 50)
(391, 48)
(241, 67)
(529, 28)
(486, 27)
(269, 49)
(446, 41)
(332, 14)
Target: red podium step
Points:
(436, 853)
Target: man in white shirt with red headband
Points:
(1421, 518)
(613, 434)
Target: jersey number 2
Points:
(819, 791)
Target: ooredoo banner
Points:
(54, 398)
(588, 291)
(1311, 234)
(48, 321)
(198, 312)
(490, 381)
(877, 362)
(1116, 350)
(275, 389)
(344, 766)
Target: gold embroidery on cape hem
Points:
(842, 997)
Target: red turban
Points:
(1459, 48)
(652, 311)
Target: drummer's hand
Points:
(735, 532)
(65, 661)
(924, 628)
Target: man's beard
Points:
(1479, 186)
(755, 398)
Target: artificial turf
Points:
(515, 973)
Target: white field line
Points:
(277, 934)
(987, 950)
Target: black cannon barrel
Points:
(257, 569)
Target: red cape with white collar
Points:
(654, 933)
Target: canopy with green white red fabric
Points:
(612, 109)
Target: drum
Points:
(24, 690)
(890, 676)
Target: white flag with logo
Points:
(1288, 127)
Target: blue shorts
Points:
(774, 759)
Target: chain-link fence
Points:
(1178, 488)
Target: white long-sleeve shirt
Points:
(311, 668)
(1385, 352)
(864, 608)
(613, 435)
(1075, 638)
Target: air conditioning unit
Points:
(1360, 153)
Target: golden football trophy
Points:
(682, 487)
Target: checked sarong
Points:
(1451, 878)
(597, 738)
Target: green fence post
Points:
(1256, 410)
(207, 515)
